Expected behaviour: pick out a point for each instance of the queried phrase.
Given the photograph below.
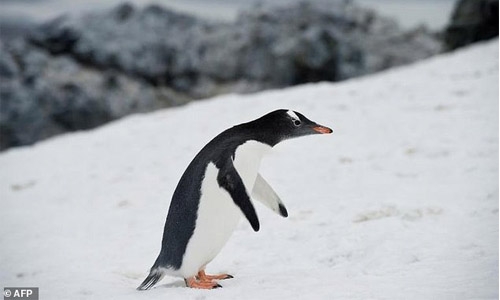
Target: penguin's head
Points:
(285, 124)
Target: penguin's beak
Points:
(322, 129)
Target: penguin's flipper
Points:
(229, 179)
(263, 192)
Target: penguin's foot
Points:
(202, 276)
(192, 282)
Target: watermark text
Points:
(25, 293)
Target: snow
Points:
(401, 202)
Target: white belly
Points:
(218, 215)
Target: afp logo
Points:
(25, 293)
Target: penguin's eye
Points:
(297, 123)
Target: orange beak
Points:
(322, 129)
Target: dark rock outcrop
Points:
(78, 73)
(264, 48)
(472, 21)
(42, 95)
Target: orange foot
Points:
(205, 277)
(192, 282)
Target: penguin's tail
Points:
(155, 275)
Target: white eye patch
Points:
(292, 115)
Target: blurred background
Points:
(74, 65)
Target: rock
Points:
(41, 95)
(145, 43)
(55, 37)
(21, 118)
(270, 47)
(8, 67)
(472, 21)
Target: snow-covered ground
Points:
(401, 202)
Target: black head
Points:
(284, 124)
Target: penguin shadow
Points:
(173, 284)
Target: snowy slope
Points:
(401, 202)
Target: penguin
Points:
(216, 190)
